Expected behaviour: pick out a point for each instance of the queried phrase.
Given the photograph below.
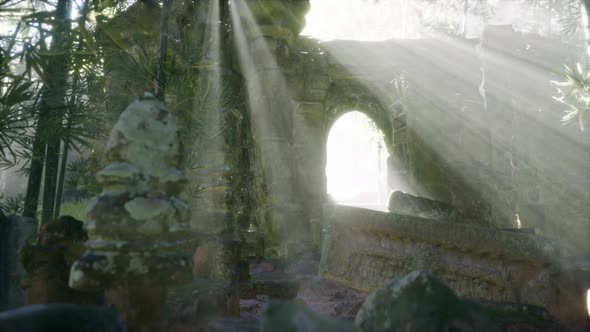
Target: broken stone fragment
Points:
(421, 302)
(402, 203)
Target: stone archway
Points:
(345, 96)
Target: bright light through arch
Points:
(357, 163)
(354, 19)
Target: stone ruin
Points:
(47, 260)
(402, 203)
(365, 249)
(138, 243)
(463, 235)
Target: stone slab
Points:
(363, 249)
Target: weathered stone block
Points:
(403, 203)
(364, 249)
(419, 302)
(312, 113)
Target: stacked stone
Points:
(137, 224)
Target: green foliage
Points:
(569, 15)
(574, 92)
(13, 204)
(16, 104)
(81, 177)
(76, 209)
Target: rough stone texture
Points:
(139, 200)
(272, 108)
(216, 258)
(14, 232)
(364, 249)
(476, 128)
(421, 302)
(48, 260)
(403, 203)
(61, 317)
(291, 317)
(538, 161)
(138, 243)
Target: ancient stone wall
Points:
(364, 249)
(540, 167)
(467, 122)
(476, 128)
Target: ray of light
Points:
(493, 123)
(269, 100)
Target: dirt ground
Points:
(322, 296)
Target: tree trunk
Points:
(52, 102)
(62, 172)
(57, 113)
(163, 50)
(72, 105)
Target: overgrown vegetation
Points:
(67, 70)
(12, 205)
(574, 93)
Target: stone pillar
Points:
(14, 231)
(278, 23)
(207, 151)
(136, 226)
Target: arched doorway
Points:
(356, 167)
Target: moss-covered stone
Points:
(48, 260)
(286, 13)
(137, 226)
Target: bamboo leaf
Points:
(88, 39)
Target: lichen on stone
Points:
(139, 207)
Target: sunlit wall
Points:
(374, 20)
